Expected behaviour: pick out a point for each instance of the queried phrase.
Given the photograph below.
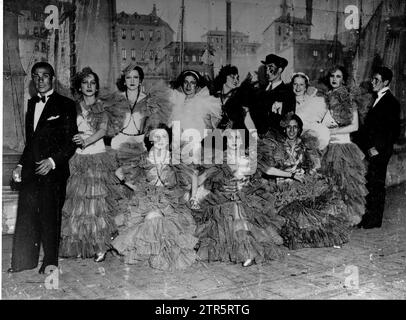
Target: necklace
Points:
(136, 99)
(160, 166)
(132, 112)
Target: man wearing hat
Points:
(275, 99)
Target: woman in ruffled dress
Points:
(311, 109)
(312, 214)
(90, 205)
(161, 227)
(232, 224)
(343, 162)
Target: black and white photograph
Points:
(211, 152)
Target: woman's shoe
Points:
(100, 257)
(248, 263)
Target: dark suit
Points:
(381, 129)
(42, 196)
(261, 111)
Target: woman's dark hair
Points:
(292, 116)
(334, 69)
(178, 82)
(45, 65)
(121, 81)
(148, 142)
(78, 78)
(221, 78)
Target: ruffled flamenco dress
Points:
(160, 229)
(312, 214)
(91, 203)
(343, 162)
(233, 226)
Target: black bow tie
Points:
(38, 99)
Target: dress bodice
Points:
(89, 120)
(294, 156)
(134, 118)
(145, 169)
(226, 174)
(159, 174)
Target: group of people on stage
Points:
(289, 174)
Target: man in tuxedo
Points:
(275, 99)
(43, 170)
(380, 131)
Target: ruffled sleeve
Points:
(101, 115)
(134, 170)
(159, 106)
(312, 155)
(116, 107)
(341, 106)
(270, 153)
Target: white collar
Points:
(48, 93)
(273, 85)
(382, 91)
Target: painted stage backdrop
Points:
(166, 36)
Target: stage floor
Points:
(371, 266)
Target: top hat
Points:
(277, 60)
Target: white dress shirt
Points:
(39, 107)
(273, 85)
(380, 95)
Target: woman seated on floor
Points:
(232, 224)
(160, 229)
(296, 190)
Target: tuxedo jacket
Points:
(381, 128)
(263, 117)
(52, 138)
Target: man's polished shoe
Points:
(44, 267)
